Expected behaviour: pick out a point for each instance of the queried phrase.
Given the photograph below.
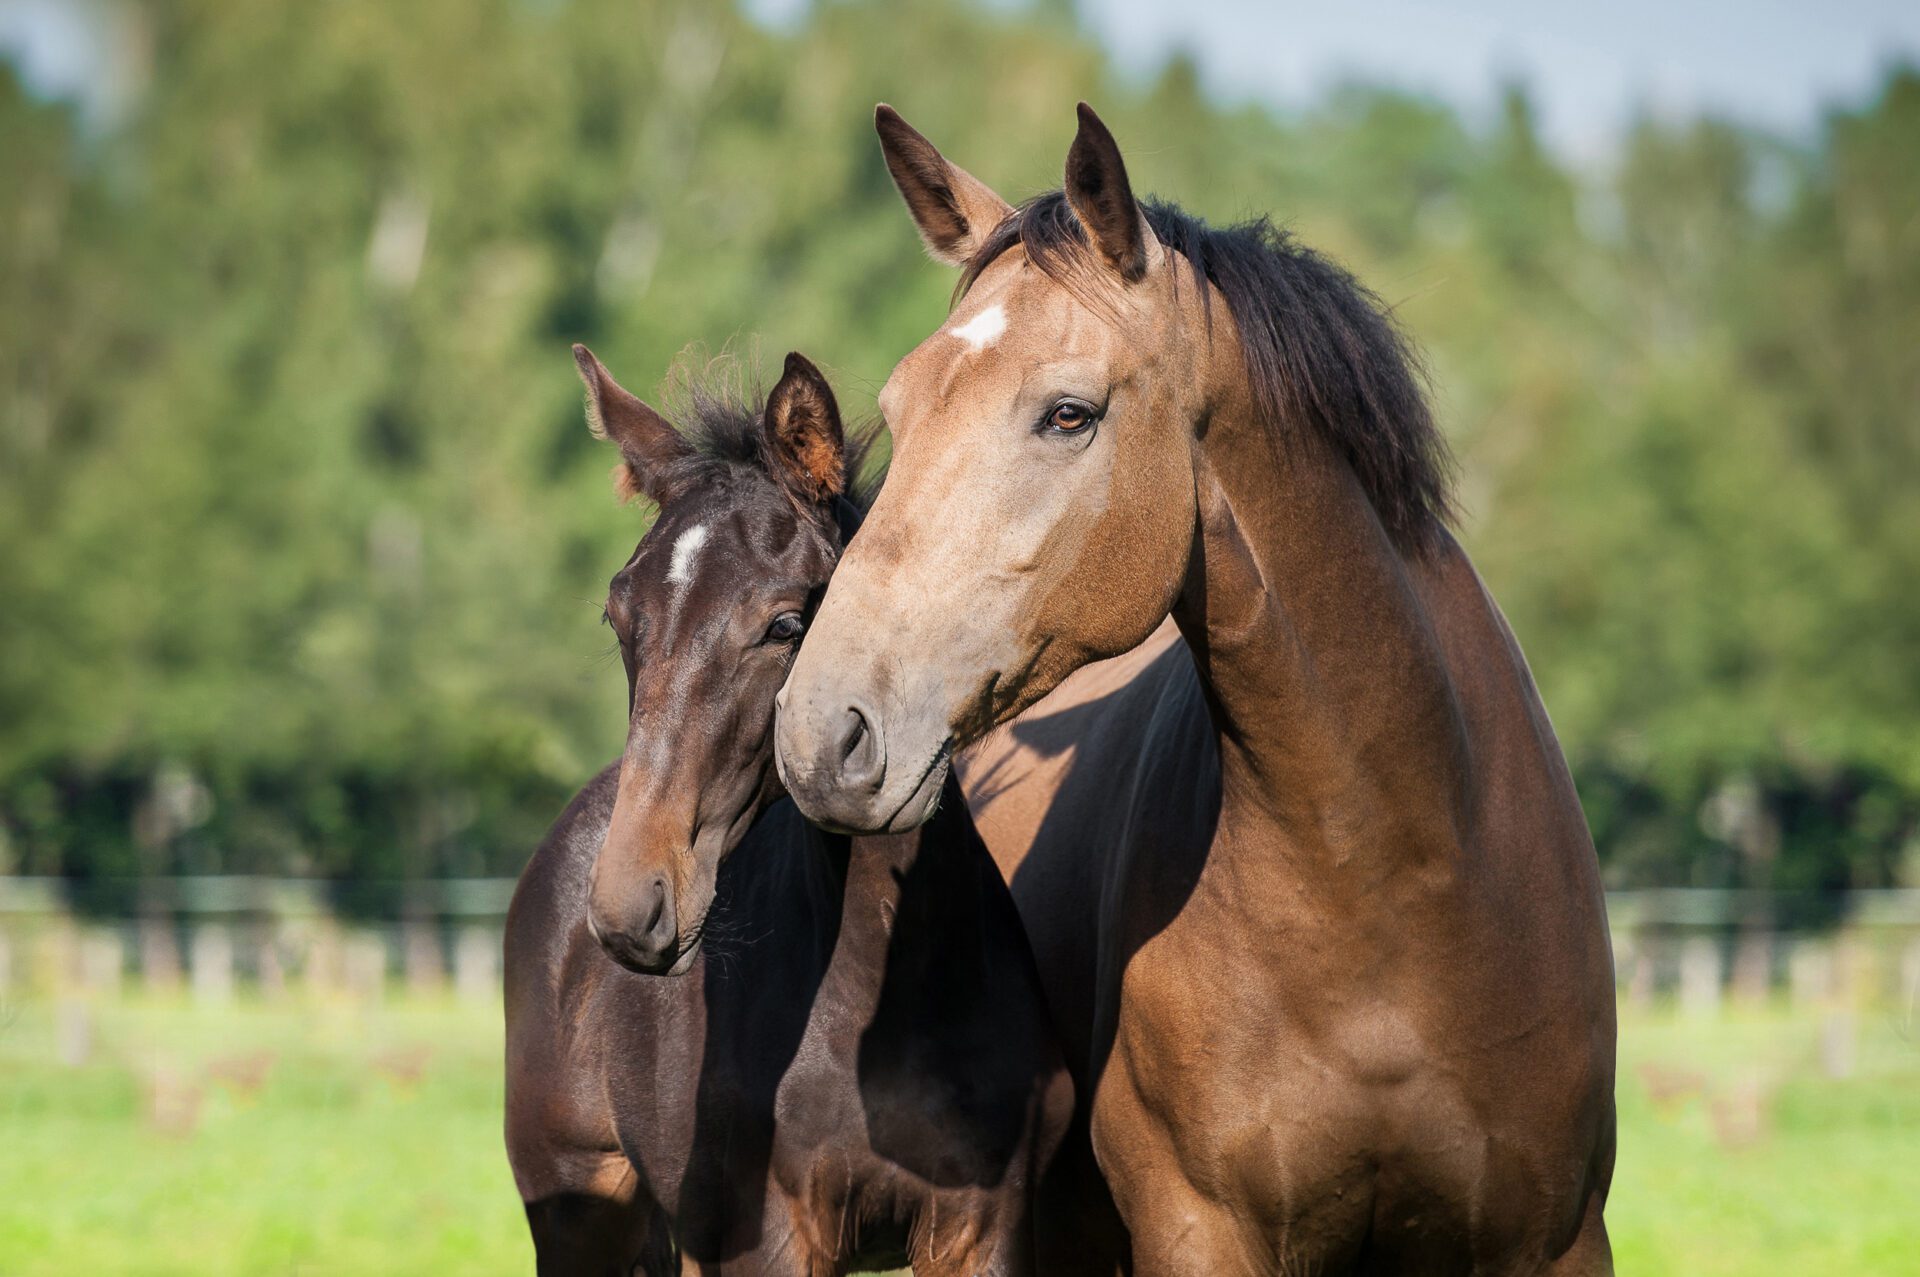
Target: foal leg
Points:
(1077, 1227)
(968, 1233)
(601, 1228)
(782, 1239)
(1591, 1254)
(963, 1240)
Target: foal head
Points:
(708, 611)
(1043, 499)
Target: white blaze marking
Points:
(983, 327)
(681, 570)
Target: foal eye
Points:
(786, 628)
(1069, 418)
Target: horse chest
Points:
(1319, 1116)
(1291, 1162)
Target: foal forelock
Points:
(1320, 350)
(717, 408)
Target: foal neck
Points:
(1329, 691)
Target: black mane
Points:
(720, 415)
(1319, 347)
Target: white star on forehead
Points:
(680, 571)
(982, 328)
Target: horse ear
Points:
(648, 444)
(804, 439)
(954, 210)
(1102, 198)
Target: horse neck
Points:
(1330, 694)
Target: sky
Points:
(1590, 66)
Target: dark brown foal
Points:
(735, 1042)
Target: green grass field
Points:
(332, 1138)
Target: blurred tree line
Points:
(305, 540)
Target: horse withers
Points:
(1311, 890)
(734, 1041)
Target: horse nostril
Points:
(862, 758)
(856, 735)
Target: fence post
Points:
(1855, 971)
(366, 967)
(1810, 974)
(426, 972)
(73, 1031)
(159, 954)
(1641, 987)
(476, 966)
(1839, 1043)
(325, 970)
(1753, 966)
(212, 964)
(102, 959)
(1909, 980)
(1700, 977)
(268, 970)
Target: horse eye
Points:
(786, 628)
(1069, 418)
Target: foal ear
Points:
(649, 445)
(1102, 198)
(954, 210)
(803, 435)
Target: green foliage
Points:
(305, 538)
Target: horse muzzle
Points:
(844, 765)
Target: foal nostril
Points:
(863, 758)
(646, 938)
(656, 911)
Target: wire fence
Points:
(216, 937)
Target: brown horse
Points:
(856, 1068)
(1311, 891)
